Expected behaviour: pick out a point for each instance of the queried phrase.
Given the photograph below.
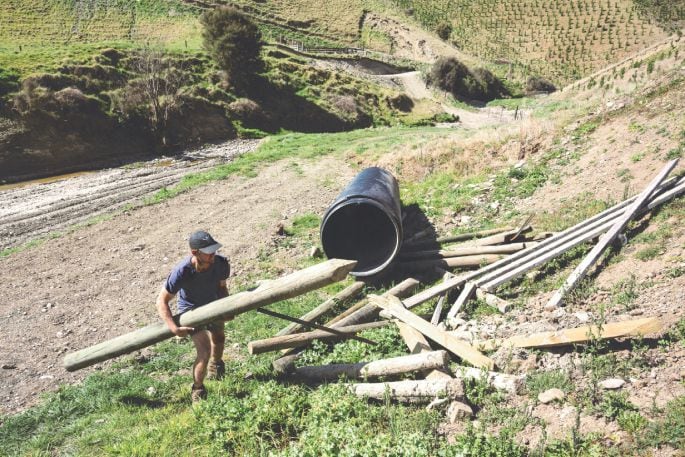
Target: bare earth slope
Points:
(101, 281)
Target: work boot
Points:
(216, 369)
(198, 393)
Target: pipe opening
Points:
(359, 229)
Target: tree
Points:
(234, 42)
(154, 93)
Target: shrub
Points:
(9, 82)
(539, 84)
(250, 114)
(234, 42)
(402, 103)
(490, 86)
(448, 74)
(444, 30)
(453, 76)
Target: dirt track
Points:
(30, 211)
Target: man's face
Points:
(204, 260)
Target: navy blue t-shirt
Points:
(196, 288)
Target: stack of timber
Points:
(439, 361)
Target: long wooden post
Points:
(348, 292)
(613, 232)
(386, 367)
(283, 288)
(495, 270)
(302, 339)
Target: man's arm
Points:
(222, 291)
(165, 313)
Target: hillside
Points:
(572, 154)
(83, 256)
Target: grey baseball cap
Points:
(203, 242)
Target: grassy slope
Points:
(140, 407)
(38, 35)
(559, 39)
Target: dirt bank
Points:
(101, 281)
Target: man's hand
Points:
(182, 331)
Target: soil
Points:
(101, 281)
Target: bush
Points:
(9, 82)
(448, 74)
(453, 76)
(491, 87)
(402, 103)
(444, 30)
(234, 42)
(250, 114)
(539, 84)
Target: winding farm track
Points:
(36, 209)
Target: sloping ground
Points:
(47, 23)
(102, 281)
(562, 40)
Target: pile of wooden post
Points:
(501, 256)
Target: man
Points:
(198, 279)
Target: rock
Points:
(151, 390)
(315, 252)
(455, 322)
(530, 364)
(582, 316)
(465, 220)
(458, 410)
(550, 395)
(612, 384)
(138, 247)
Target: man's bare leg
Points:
(218, 339)
(203, 348)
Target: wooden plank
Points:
(417, 344)
(302, 339)
(465, 295)
(435, 319)
(618, 226)
(283, 288)
(349, 292)
(633, 327)
(449, 342)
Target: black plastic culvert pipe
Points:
(364, 223)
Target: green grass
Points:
(372, 142)
(541, 381)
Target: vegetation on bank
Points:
(118, 103)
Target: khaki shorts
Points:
(212, 327)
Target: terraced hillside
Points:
(34, 22)
(561, 39)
